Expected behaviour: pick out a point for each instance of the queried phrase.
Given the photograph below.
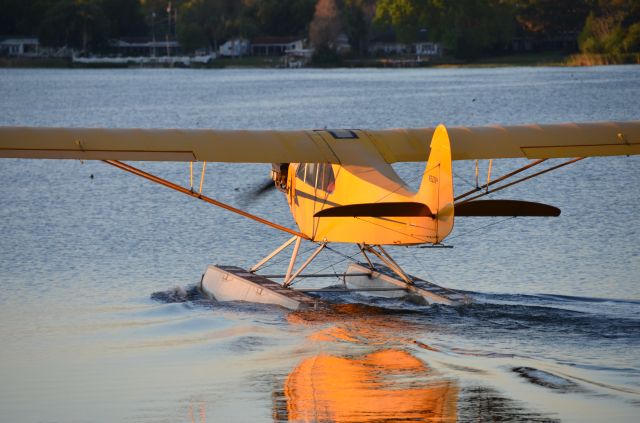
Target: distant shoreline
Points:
(254, 62)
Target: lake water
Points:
(100, 321)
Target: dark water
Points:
(100, 321)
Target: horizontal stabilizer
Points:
(514, 208)
(377, 210)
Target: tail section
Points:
(436, 189)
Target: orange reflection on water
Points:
(341, 389)
(203, 415)
(388, 384)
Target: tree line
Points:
(467, 28)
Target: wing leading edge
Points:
(321, 146)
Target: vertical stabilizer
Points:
(436, 189)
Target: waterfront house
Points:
(275, 46)
(427, 48)
(235, 47)
(19, 46)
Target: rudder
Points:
(436, 188)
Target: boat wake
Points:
(178, 294)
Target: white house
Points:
(388, 48)
(20, 46)
(235, 47)
(275, 46)
(428, 49)
(422, 48)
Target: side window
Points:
(311, 174)
(318, 175)
(300, 171)
(327, 180)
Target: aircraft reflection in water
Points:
(386, 384)
(200, 412)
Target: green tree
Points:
(284, 17)
(75, 23)
(20, 17)
(211, 21)
(469, 28)
(407, 17)
(631, 42)
(476, 27)
(358, 20)
(124, 17)
(612, 27)
(191, 36)
(550, 18)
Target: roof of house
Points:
(274, 40)
(18, 40)
(143, 42)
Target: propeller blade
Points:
(263, 188)
(245, 198)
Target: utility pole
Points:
(153, 34)
(168, 27)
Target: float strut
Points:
(386, 259)
(364, 253)
(272, 255)
(289, 280)
(292, 262)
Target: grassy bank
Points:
(530, 59)
(603, 59)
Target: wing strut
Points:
(158, 180)
(577, 159)
(502, 178)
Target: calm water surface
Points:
(100, 321)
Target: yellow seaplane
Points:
(341, 187)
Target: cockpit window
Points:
(318, 175)
(300, 171)
(326, 179)
(311, 174)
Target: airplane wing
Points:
(517, 141)
(322, 146)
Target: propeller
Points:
(262, 189)
(253, 193)
(278, 173)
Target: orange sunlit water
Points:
(343, 389)
(387, 384)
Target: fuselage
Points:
(313, 187)
(370, 185)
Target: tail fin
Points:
(436, 189)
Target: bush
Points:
(631, 43)
(324, 56)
